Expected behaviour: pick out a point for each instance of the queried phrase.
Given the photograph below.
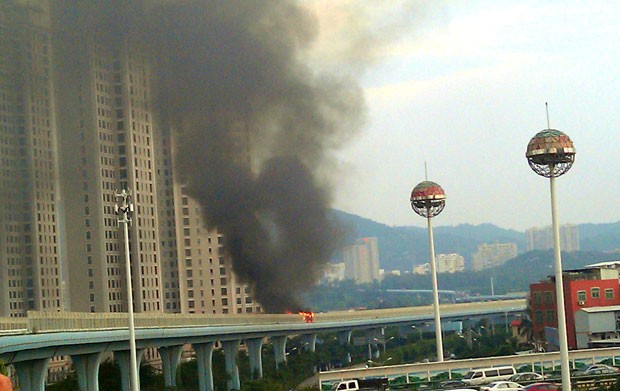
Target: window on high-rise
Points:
(595, 292)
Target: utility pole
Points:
(124, 212)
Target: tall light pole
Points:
(428, 200)
(550, 153)
(124, 212)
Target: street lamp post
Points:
(550, 153)
(428, 200)
(420, 329)
(124, 212)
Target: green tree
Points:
(69, 383)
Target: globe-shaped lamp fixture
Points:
(428, 199)
(550, 153)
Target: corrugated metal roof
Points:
(608, 308)
(606, 263)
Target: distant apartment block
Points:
(389, 273)
(333, 272)
(30, 244)
(450, 263)
(493, 255)
(542, 238)
(361, 261)
(424, 268)
(87, 136)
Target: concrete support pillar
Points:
(123, 359)
(279, 349)
(372, 338)
(309, 341)
(204, 355)
(255, 347)
(231, 348)
(344, 337)
(170, 359)
(31, 374)
(87, 370)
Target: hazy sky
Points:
(462, 85)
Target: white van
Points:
(375, 384)
(488, 375)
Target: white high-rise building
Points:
(492, 255)
(333, 272)
(362, 261)
(78, 123)
(450, 263)
(542, 238)
(30, 219)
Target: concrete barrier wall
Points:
(70, 321)
(11, 324)
(445, 309)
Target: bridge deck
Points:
(38, 322)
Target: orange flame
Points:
(308, 316)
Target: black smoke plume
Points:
(231, 73)
(256, 127)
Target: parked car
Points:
(502, 386)
(544, 386)
(452, 384)
(597, 369)
(527, 377)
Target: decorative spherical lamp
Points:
(551, 153)
(428, 200)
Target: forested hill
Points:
(514, 276)
(600, 237)
(400, 248)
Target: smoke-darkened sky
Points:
(256, 127)
(229, 73)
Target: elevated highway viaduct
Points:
(30, 343)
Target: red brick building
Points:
(594, 286)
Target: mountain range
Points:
(403, 247)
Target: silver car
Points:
(527, 377)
